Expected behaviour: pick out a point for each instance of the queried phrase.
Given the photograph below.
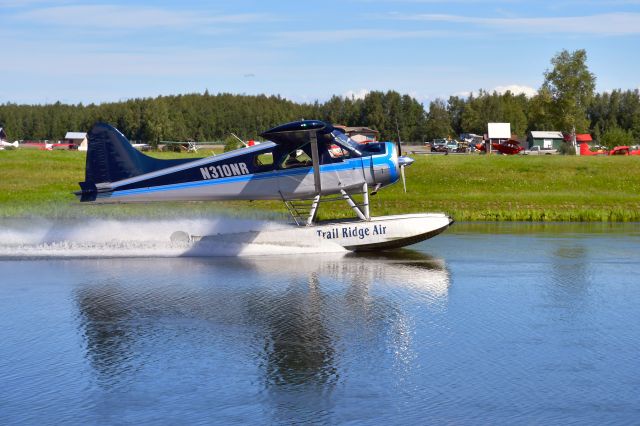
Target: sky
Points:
(103, 51)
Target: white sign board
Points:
(499, 130)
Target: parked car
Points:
(537, 150)
(439, 145)
(452, 146)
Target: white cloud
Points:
(602, 24)
(26, 3)
(356, 94)
(516, 89)
(98, 62)
(129, 17)
(302, 37)
(464, 94)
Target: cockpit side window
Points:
(329, 151)
(296, 158)
(264, 161)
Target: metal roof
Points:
(75, 135)
(360, 129)
(546, 135)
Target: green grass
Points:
(470, 188)
(549, 188)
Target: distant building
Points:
(3, 134)
(76, 140)
(584, 138)
(545, 140)
(359, 134)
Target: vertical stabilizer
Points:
(112, 158)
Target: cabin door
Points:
(338, 172)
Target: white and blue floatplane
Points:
(304, 164)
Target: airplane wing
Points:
(297, 134)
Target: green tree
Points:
(571, 86)
(456, 106)
(513, 111)
(438, 121)
(615, 136)
(231, 144)
(472, 116)
(541, 116)
(373, 114)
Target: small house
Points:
(585, 138)
(545, 140)
(76, 140)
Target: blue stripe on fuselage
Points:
(346, 165)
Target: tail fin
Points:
(111, 158)
(584, 149)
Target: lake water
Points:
(484, 324)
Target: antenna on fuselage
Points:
(241, 141)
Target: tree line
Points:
(566, 101)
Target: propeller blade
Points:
(402, 163)
(399, 148)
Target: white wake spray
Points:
(134, 238)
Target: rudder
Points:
(110, 156)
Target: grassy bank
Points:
(549, 188)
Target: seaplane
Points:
(8, 145)
(505, 147)
(585, 151)
(297, 164)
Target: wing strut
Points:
(316, 177)
(297, 208)
(316, 161)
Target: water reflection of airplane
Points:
(296, 165)
(290, 322)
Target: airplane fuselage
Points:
(254, 173)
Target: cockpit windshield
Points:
(346, 142)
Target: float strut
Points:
(353, 205)
(314, 210)
(365, 200)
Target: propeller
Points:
(402, 160)
(402, 163)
